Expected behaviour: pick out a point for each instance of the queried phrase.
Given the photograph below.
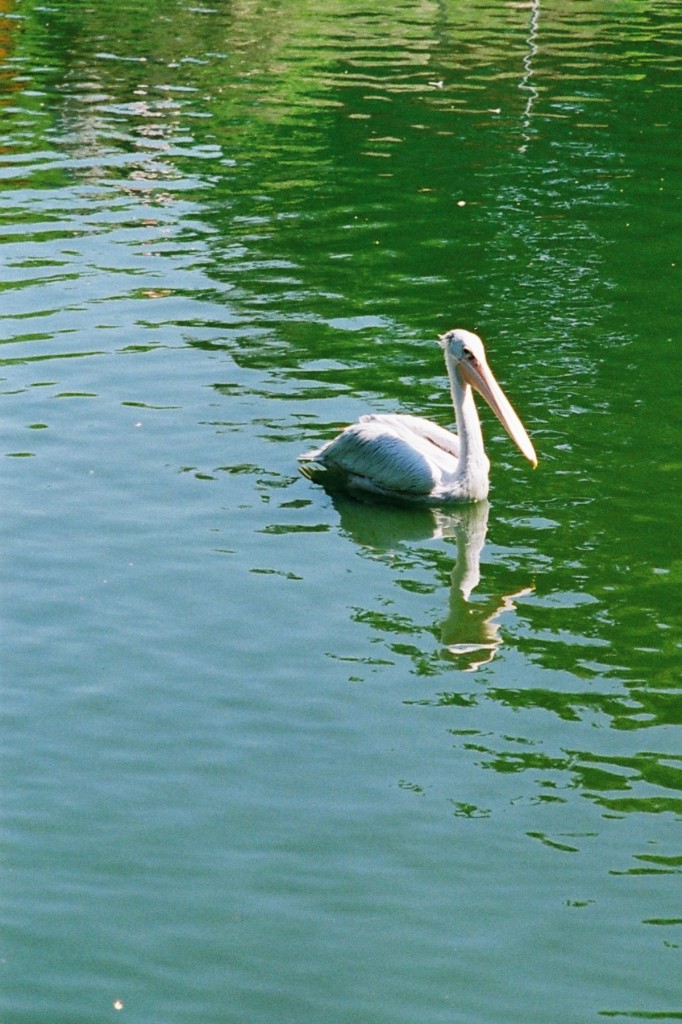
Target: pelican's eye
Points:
(469, 355)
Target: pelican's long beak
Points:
(479, 375)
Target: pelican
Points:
(398, 457)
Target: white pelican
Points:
(409, 459)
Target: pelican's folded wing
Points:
(424, 428)
(380, 458)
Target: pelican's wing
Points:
(439, 436)
(376, 456)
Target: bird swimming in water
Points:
(409, 459)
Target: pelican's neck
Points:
(473, 464)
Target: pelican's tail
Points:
(312, 466)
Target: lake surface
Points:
(271, 756)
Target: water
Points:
(270, 756)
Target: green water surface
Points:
(273, 756)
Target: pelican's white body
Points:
(407, 458)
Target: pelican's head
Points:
(465, 355)
(461, 345)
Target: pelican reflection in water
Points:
(409, 459)
(470, 632)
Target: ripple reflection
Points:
(470, 633)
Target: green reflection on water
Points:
(271, 210)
